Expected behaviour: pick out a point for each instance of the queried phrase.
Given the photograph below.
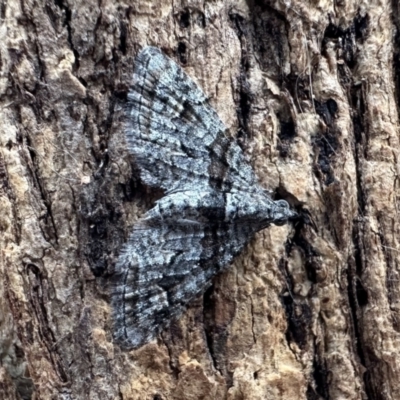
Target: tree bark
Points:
(310, 90)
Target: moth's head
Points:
(282, 213)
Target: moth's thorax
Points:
(256, 209)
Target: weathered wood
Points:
(311, 90)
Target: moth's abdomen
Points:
(192, 206)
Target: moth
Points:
(212, 204)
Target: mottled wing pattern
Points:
(163, 267)
(177, 138)
(211, 208)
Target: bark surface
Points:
(310, 89)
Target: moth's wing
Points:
(176, 137)
(161, 269)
